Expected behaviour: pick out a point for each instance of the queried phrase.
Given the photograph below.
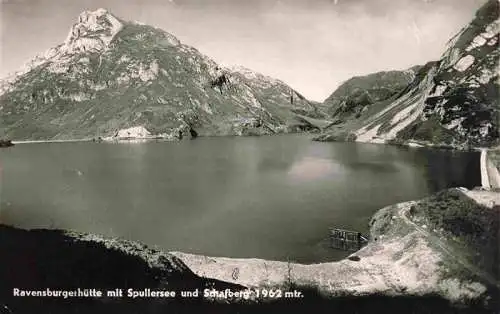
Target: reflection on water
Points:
(311, 168)
(268, 197)
(375, 166)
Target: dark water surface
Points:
(268, 197)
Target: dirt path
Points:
(444, 248)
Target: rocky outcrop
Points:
(451, 102)
(133, 132)
(464, 95)
(111, 75)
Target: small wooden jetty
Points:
(6, 143)
(347, 240)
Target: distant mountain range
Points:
(112, 77)
(115, 79)
(451, 102)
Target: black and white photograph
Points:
(249, 156)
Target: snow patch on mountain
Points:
(367, 134)
(478, 41)
(464, 63)
(492, 29)
(493, 41)
(411, 114)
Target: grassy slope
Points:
(470, 229)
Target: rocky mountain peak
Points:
(94, 31)
(111, 75)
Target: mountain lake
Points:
(272, 197)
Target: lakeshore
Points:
(410, 263)
(51, 141)
(402, 257)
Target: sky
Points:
(313, 45)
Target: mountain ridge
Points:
(111, 75)
(452, 102)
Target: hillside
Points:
(111, 75)
(37, 260)
(451, 102)
(357, 94)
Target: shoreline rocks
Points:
(6, 143)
